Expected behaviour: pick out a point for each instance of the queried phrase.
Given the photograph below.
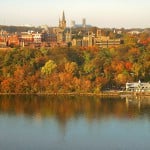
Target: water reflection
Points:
(64, 108)
(71, 123)
(140, 104)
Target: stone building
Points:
(62, 23)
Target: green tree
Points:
(48, 67)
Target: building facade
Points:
(138, 87)
(62, 22)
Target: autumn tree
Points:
(48, 67)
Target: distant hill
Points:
(13, 29)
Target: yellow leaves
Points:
(89, 67)
(121, 78)
(48, 67)
(136, 68)
(71, 67)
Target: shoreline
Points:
(101, 94)
(115, 94)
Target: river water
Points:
(74, 123)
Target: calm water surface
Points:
(74, 123)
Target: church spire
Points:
(62, 23)
(63, 16)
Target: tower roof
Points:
(63, 16)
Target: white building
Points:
(138, 87)
(37, 37)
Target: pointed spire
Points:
(63, 16)
(59, 22)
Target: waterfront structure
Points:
(138, 87)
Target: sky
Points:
(101, 13)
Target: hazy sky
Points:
(102, 13)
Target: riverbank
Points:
(101, 94)
(69, 94)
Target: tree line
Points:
(81, 70)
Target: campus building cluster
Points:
(76, 35)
